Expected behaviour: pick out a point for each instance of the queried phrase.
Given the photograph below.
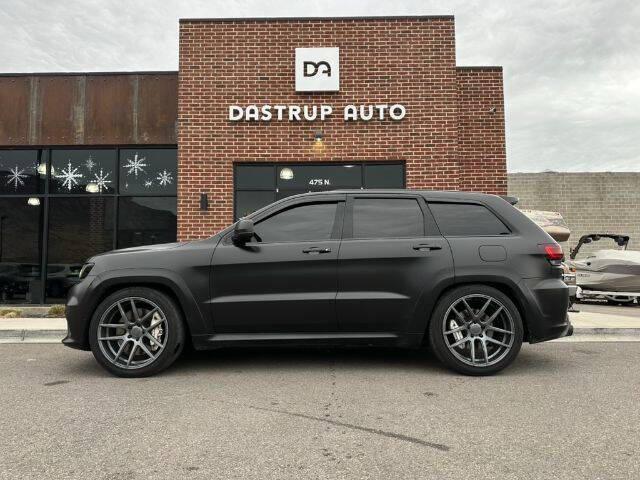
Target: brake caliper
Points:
(156, 332)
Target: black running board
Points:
(218, 340)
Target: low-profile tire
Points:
(140, 341)
(476, 315)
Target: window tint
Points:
(20, 250)
(19, 172)
(306, 222)
(249, 201)
(387, 218)
(383, 176)
(78, 229)
(83, 171)
(462, 219)
(146, 220)
(148, 171)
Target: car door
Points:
(286, 279)
(392, 260)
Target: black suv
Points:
(466, 273)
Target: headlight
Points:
(84, 271)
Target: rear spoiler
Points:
(511, 200)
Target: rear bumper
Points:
(546, 311)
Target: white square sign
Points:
(317, 69)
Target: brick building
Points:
(260, 109)
(451, 137)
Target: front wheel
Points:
(476, 330)
(136, 332)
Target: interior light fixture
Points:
(33, 201)
(286, 174)
(92, 187)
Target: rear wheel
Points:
(476, 330)
(136, 332)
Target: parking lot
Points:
(563, 410)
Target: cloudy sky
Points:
(572, 68)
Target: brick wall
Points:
(589, 202)
(481, 134)
(399, 60)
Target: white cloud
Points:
(572, 68)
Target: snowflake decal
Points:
(16, 177)
(69, 176)
(165, 178)
(100, 179)
(89, 163)
(148, 183)
(135, 165)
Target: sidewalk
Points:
(588, 327)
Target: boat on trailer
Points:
(612, 274)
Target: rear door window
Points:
(387, 218)
(467, 219)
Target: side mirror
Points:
(243, 231)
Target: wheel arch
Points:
(166, 284)
(506, 287)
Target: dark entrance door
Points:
(257, 185)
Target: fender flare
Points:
(168, 280)
(429, 299)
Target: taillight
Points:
(552, 251)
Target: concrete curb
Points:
(32, 336)
(579, 334)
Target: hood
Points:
(144, 248)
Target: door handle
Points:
(316, 250)
(427, 246)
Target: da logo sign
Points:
(317, 69)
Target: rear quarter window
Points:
(467, 219)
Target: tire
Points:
(493, 350)
(619, 300)
(147, 343)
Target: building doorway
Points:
(259, 184)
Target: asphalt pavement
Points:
(632, 310)
(561, 411)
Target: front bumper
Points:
(547, 302)
(78, 316)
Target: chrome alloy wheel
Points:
(478, 330)
(132, 333)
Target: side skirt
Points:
(334, 339)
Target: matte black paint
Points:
(357, 292)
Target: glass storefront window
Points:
(148, 171)
(255, 177)
(146, 220)
(78, 229)
(19, 172)
(20, 250)
(383, 176)
(319, 177)
(61, 204)
(83, 171)
(249, 201)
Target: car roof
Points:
(431, 194)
